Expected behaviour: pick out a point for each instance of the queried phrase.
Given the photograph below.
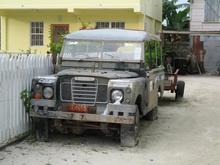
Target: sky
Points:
(182, 1)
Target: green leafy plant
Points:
(176, 15)
(26, 99)
(152, 54)
(29, 51)
(56, 46)
(85, 25)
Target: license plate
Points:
(78, 108)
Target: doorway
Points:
(57, 31)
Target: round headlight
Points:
(48, 92)
(117, 96)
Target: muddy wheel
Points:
(41, 129)
(152, 115)
(129, 133)
(180, 89)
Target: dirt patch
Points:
(186, 133)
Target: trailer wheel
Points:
(41, 129)
(180, 89)
(129, 133)
(152, 115)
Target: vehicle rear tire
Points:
(129, 133)
(152, 115)
(41, 129)
(180, 87)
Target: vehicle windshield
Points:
(102, 50)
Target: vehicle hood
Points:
(111, 74)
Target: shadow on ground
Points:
(97, 138)
(170, 101)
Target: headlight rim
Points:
(43, 92)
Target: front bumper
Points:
(115, 113)
(84, 117)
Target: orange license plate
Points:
(78, 108)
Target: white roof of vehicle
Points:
(112, 35)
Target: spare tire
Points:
(180, 87)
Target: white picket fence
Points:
(16, 73)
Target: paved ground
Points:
(187, 133)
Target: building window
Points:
(37, 33)
(212, 10)
(110, 25)
(117, 25)
(102, 25)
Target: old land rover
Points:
(102, 82)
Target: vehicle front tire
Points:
(180, 87)
(152, 115)
(129, 133)
(41, 129)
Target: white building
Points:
(205, 25)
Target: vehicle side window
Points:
(152, 54)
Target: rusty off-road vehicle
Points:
(102, 82)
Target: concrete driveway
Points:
(186, 133)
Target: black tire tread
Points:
(152, 115)
(41, 129)
(180, 87)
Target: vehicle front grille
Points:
(87, 92)
(84, 92)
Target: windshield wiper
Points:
(87, 58)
